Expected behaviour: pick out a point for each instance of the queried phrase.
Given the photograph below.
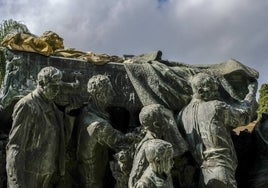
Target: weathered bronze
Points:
(113, 123)
(35, 148)
(159, 155)
(206, 122)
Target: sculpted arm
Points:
(250, 98)
(242, 113)
(106, 134)
(17, 143)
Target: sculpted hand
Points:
(252, 88)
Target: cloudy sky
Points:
(190, 31)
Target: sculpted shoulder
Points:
(27, 104)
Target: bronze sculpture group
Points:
(38, 138)
(150, 124)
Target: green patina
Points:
(263, 100)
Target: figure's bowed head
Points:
(49, 81)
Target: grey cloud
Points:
(195, 32)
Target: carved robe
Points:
(35, 149)
(95, 136)
(140, 162)
(206, 126)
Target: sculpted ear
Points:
(157, 160)
(200, 90)
(99, 96)
(40, 83)
(155, 124)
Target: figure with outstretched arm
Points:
(206, 123)
(96, 133)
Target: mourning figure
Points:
(96, 134)
(154, 119)
(206, 123)
(35, 149)
(159, 155)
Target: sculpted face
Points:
(205, 87)
(49, 80)
(100, 88)
(208, 91)
(51, 90)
